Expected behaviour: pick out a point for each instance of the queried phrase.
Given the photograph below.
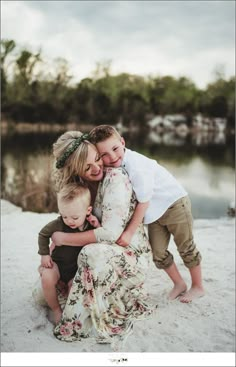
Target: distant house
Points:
(167, 122)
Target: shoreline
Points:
(9, 127)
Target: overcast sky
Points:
(178, 38)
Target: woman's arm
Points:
(73, 239)
(115, 197)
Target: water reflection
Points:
(180, 138)
(169, 138)
(203, 164)
(210, 188)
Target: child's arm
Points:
(137, 218)
(43, 241)
(93, 221)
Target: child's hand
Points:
(46, 261)
(93, 221)
(124, 239)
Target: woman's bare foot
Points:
(57, 313)
(178, 289)
(193, 293)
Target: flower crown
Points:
(62, 160)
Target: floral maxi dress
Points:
(107, 293)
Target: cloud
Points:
(164, 37)
(20, 22)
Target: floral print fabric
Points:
(107, 292)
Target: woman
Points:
(106, 295)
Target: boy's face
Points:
(74, 212)
(112, 151)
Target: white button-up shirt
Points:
(152, 182)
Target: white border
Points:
(118, 359)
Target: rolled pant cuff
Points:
(192, 264)
(165, 264)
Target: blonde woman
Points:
(107, 292)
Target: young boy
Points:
(75, 216)
(163, 204)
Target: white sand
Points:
(205, 325)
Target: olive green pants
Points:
(176, 221)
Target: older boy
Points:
(163, 205)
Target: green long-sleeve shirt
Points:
(64, 256)
(56, 225)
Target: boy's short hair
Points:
(72, 191)
(102, 132)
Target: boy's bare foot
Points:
(178, 289)
(193, 293)
(57, 313)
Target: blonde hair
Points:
(102, 132)
(73, 169)
(72, 191)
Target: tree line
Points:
(32, 91)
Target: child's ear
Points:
(89, 210)
(122, 141)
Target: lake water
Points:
(203, 163)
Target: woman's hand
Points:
(57, 238)
(52, 247)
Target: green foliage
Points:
(170, 95)
(28, 94)
(7, 46)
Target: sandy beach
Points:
(206, 325)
